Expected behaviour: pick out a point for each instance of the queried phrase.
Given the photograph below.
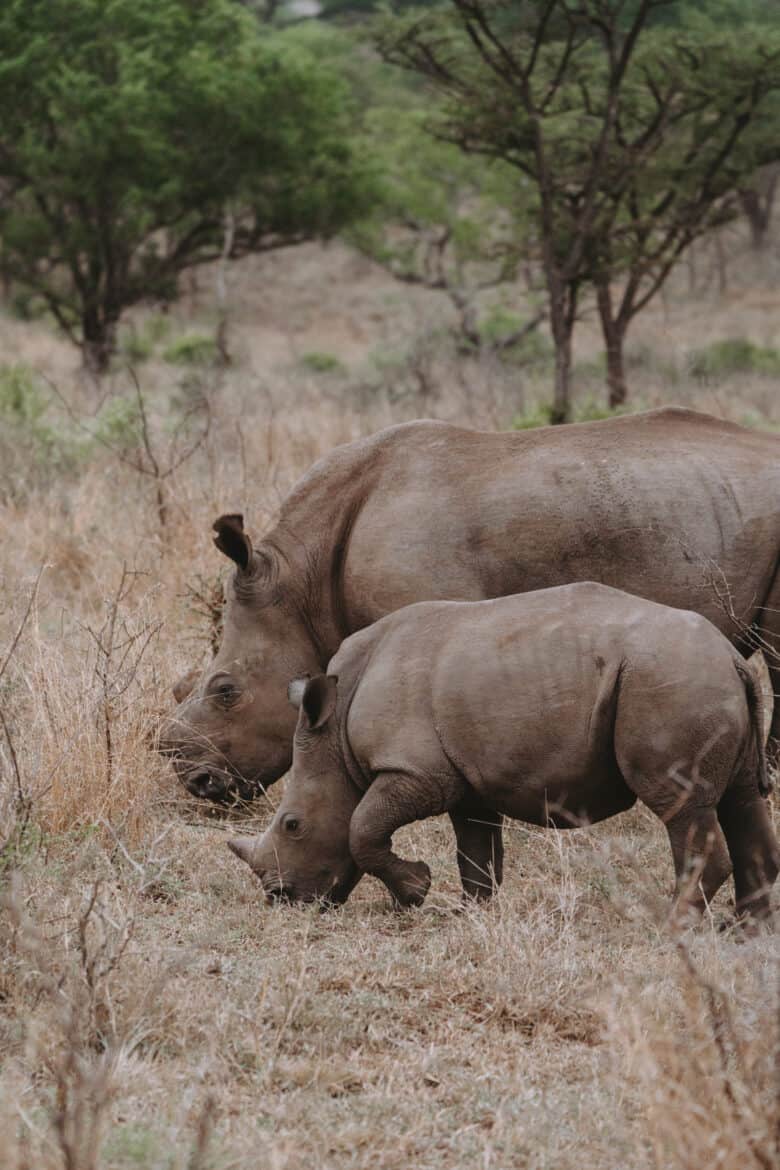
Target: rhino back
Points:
(519, 694)
(653, 504)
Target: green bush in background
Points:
(735, 355)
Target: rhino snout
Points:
(277, 891)
(206, 784)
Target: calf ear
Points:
(318, 700)
(185, 684)
(232, 540)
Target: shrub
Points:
(32, 451)
(118, 425)
(135, 347)
(735, 355)
(193, 349)
(21, 400)
(322, 363)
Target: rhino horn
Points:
(243, 847)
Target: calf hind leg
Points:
(701, 860)
(683, 796)
(755, 854)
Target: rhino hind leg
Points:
(701, 859)
(480, 848)
(755, 854)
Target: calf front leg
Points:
(480, 848)
(395, 799)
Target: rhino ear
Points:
(232, 540)
(295, 691)
(318, 700)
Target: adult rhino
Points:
(673, 505)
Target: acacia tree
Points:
(447, 222)
(687, 137)
(564, 91)
(129, 128)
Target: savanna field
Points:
(154, 1012)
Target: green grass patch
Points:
(193, 349)
(322, 363)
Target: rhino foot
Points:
(411, 881)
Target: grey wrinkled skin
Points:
(558, 707)
(671, 505)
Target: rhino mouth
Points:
(281, 892)
(218, 787)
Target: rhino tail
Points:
(760, 700)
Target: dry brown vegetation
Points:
(153, 1012)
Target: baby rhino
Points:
(559, 707)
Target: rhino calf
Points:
(557, 707)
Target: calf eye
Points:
(291, 824)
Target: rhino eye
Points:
(291, 824)
(224, 690)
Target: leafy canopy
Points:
(128, 127)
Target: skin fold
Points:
(671, 505)
(558, 707)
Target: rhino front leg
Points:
(480, 848)
(395, 799)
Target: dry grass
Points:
(153, 1013)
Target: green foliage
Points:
(139, 342)
(442, 219)
(193, 349)
(499, 325)
(634, 139)
(135, 347)
(32, 449)
(129, 128)
(25, 305)
(735, 355)
(118, 425)
(322, 363)
(22, 402)
(588, 410)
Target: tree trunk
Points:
(98, 342)
(614, 332)
(757, 214)
(562, 309)
(721, 263)
(229, 232)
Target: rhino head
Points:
(304, 854)
(231, 734)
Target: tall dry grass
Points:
(153, 1013)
